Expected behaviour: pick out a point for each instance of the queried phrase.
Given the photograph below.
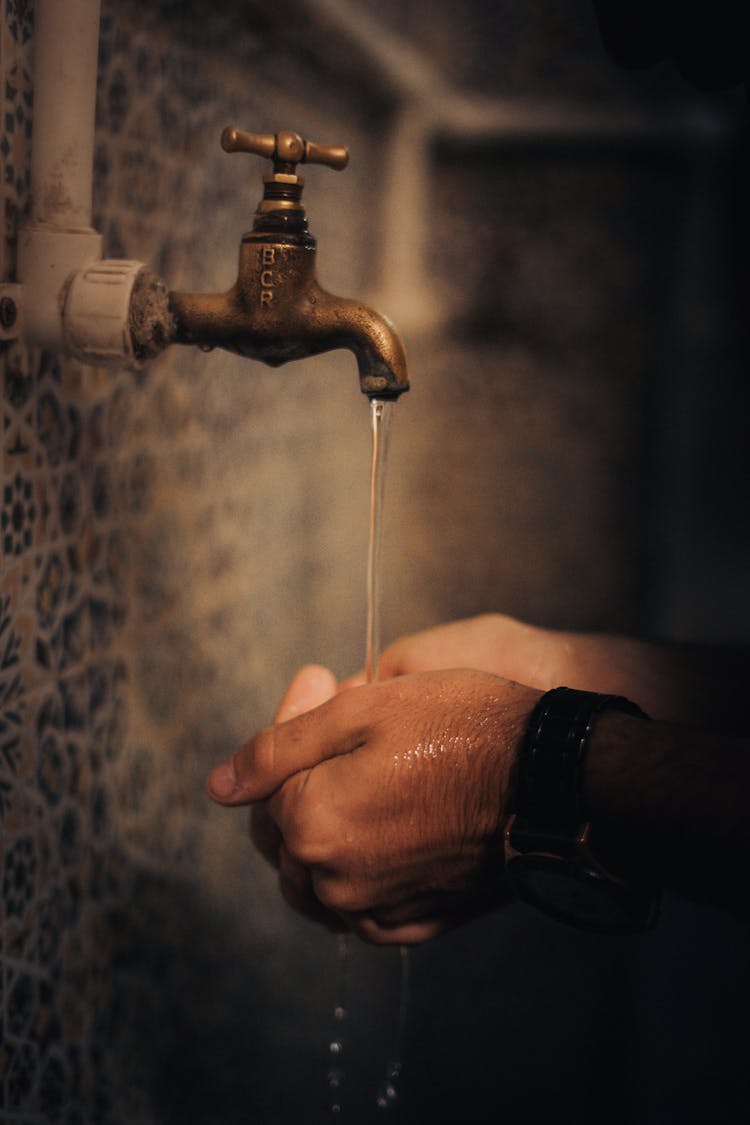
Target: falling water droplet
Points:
(387, 1094)
(336, 1077)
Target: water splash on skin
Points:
(433, 750)
(488, 721)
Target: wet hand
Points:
(387, 800)
(649, 674)
(490, 642)
(309, 687)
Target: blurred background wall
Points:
(558, 241)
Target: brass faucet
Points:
(276, 311)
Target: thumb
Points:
(308, 688)
(263, 764)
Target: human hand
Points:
(490, 642)
(387, 800)
(308, 688)
(660, 679)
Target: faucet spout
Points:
(381, 360)
(276, 312)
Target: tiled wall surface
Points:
(152, 525)
(175, 541)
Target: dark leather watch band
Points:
(550, 765)
(550, 855)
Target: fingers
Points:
(476, 642)
(411, 933)
(308, 688)
(295, 880)
(296, 888)
(423, 652)
(412, 923)
(265, 835)
(274, 755)
(356, 680)
(295, 884)
(413, 653)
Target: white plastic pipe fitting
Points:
(96, 313)
(71, 300)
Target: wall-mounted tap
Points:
(276, 311)
(108, 311)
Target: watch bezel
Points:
(631, 911)
(616, 896)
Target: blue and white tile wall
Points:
(142, 514)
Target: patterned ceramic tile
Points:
(21, 1075)
(16, 132)
(19, 516)
(19, 390)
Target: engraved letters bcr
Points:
(267, 257)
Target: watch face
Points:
(572, 893)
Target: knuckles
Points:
(301, 824)
(340, 896)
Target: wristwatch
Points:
(550, 857)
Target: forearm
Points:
(669, 805)
(708, 685)
(699, 686)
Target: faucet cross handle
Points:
(286, 149)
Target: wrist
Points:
(609, 791)
(552, 857)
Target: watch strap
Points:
(548, 852)
(551, 760)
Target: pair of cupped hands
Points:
(382, 805)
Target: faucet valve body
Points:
(276, 311)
